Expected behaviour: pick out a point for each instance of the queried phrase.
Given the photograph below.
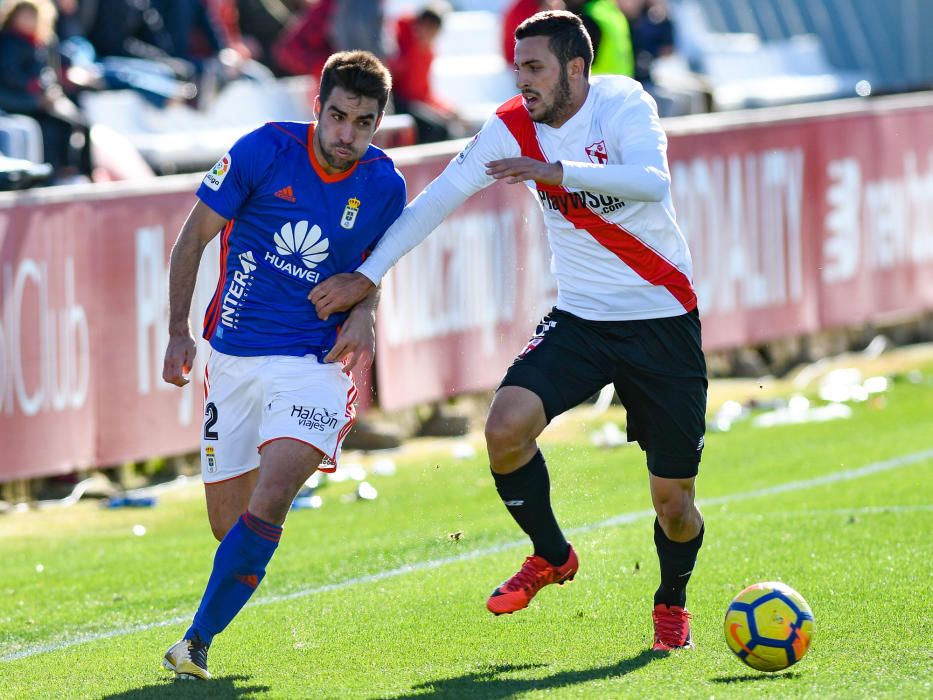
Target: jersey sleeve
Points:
(463, 176)
(231, 181)
(392, 209)
(467, 171)
(643, 174)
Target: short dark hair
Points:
(567, 37)
(430, 16)
(433, 13)
(359, 72)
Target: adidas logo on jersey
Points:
(287, 194)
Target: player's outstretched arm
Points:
(517, 170)
(199, 228)
(356, 343)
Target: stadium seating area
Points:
(884, 42)
(731, 54)
(179, 138)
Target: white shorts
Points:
(251, 401)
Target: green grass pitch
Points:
(378, 600)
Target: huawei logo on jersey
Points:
(303, 242)
(299, 241)
(596, 152)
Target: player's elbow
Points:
(659, 185)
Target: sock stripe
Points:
(262, 528)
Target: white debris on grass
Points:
(608, 436)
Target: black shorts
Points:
(656, 365)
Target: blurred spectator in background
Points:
(263, 21)
(226, 16)
(516, 13)
(411, 76)
(125, 47)
(358, 25)
(305, 45)
(193, 34)
(327, 26)
(652, 34)
(68, 20)
(609, 31)
(130, 28)
(200, 38)
(29, 84)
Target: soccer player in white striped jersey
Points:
(594, 154)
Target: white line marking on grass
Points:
(815, 512)
(622, 519)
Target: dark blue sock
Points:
(239, 566)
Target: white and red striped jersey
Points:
(617, 253)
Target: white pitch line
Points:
(621, 519)
(814, 512)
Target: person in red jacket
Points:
(305, 44)
(435, 119)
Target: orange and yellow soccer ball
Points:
(769, 626)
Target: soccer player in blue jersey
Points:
(296, 203)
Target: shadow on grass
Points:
(217, 687)
(488, 684)
(759, 677)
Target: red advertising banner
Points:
(84, 329)
(459, 307)
(807, 223)
(798, 219)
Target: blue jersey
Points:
(291, 225)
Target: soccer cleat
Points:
(671, 628)
(515, 593)
(188, 659)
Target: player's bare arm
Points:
(199, 228)
(517, 170)
(356, 343)
(341, 292)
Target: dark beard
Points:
(341, 165)
(561, 104)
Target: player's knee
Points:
(505, 434)
(273, 498)
(219, 531)
(221, 526)
(672, 514)
(674, 511)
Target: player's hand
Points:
(179, 358)
(516, 170)
(339, 293)
(356, 343)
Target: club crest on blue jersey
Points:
(349, 214)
